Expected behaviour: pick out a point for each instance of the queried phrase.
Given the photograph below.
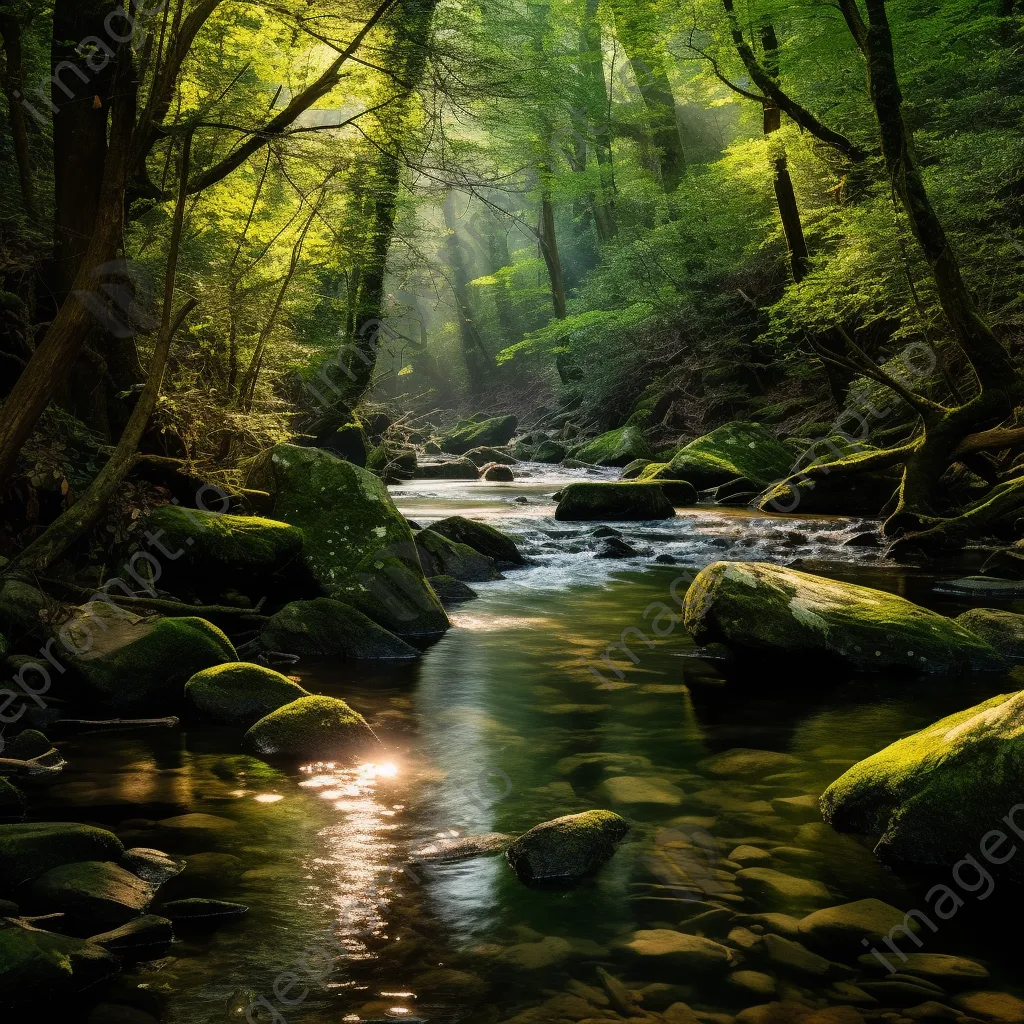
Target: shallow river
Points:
(487, 733)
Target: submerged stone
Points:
(758, 607)
(938, 793)
(779, 889)
(327, 628)
(582, 502)
(239, 693)
(313, 729)
(665, 948)
(567, 848)
(142, 939)
(357, 545)
(202, 912)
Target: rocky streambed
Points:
(712, 890)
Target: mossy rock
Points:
(679, 492)
(39, 967)
(93, 893)
(443, 557)
(550, 452)
(151, 669)
(625, 502)
(482, 456)
(634, 469)
(312, 729)
(567, 848)
(448, 469)
(1003, 630)
(497, 473)
(231, 549)
(29, 743)
(481, 537)
(392, 464)
(144, 938)
(327, 628)
(732, 450)
(240, 693)
(760, 608)
(932, 796)
(350, 442)
(23, 610)
(616, 448)
(357, 545)
(451, 591)
(479, 433)
(30, 850)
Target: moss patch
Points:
(635, 502)
(30, 850)
(479, 433)
(757, 607)
(240, 692)
(39, 965)
(932, 796)
(615, 448)
(357, 545)
(733, 450)
(1003, 630)
(328, 628)
(567, 848)
(312, 728)
(153, 669)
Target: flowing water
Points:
(513, 718)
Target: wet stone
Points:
(631, 790)
(997, 1006)
(752, 983)
(750, 856)
(778, 888)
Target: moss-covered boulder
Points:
(448, 469)
(616, 448)
(483, 538)
(1003, 630)
(933, 796)
(497, 473)
(357, 545)
(225, 549)
(635, 468)
(550, 452)
(733, 450)
(482, 456)
(567, 848)
(146, 662)
(327, 628)
(28, 850)
(760, 608)
(312, 729)
(239, 693)
(39, 967)
(680, 492)
(391, 463)
(451, 591)
(636, 502)
(97, 894)
(479, 433)
(443, 557)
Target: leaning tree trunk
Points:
(75, 521)
(53, 360)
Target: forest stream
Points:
(504, 723)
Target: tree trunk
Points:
(596, 107)
(549, 246)
(14, 87)
(55, 356)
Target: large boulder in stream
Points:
(330, 629)
(28, 850)
(483, 538)
(615, 448)
(619, 502)
(479, 433)
(440, 556)
(221, 548)
(240, 693)
(733, 450)
(935, 796)
(312, 729)
(40, 966)
(759, 608)
(357, 545)
(447, 469)
(1003, 630)
(92, 894)
(132, 662)
(567, 848)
